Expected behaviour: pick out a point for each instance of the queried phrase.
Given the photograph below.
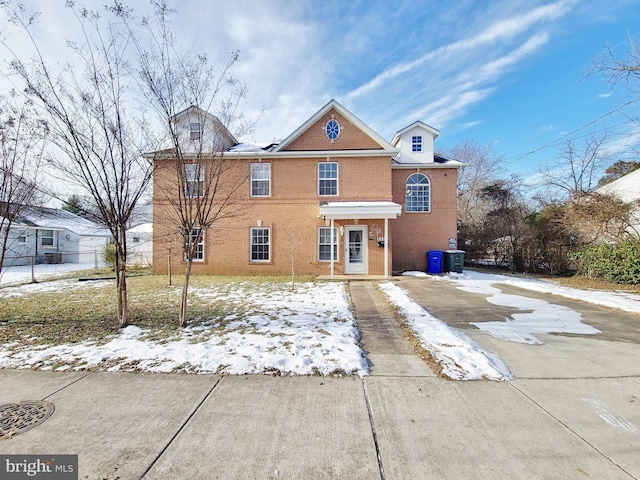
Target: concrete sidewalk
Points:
(133, 426)
(385, 426)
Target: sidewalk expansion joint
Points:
(184, 424)
(373, 430)
(67, 385)
(572, 431)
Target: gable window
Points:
(325, 242)
(416, 143)
(195, 131)
(190, 241)
(328, 178)
(193, 180)
(47, 238)
(418, 193)
(260, 245)
(260, 179)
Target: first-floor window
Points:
(22, 238)
(325, 242)
(193, 240)
(47, 238)
(260, 245)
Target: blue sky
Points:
(506, 72)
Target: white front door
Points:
(355, 255)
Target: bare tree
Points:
(616, 70)
(483, 167)
(22, 137)
(578, 167)
(195, 103)
(98, 140)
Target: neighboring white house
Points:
(49, 235)
(627, 189)
(140, 244)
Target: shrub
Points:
(109, 255)
(615, 263)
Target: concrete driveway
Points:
(572, 412)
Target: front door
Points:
(355, 254)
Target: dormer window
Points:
(195, 131)
(416, 143)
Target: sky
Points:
(510, 73)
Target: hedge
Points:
(615, 263)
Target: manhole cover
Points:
(17, 418)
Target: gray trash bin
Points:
(453, 261)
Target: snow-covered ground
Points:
(24, 274)
(309, 330)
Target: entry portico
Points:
(356, 236)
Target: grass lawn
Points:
(79, 311)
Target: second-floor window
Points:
(328, 178)
(416, 143)
(193, 180)
(195, 131)
(418, 193)
(260, 179)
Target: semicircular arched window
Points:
(418, 198)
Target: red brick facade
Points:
(291, 212)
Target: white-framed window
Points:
(260, 244)
(195, 131)
(260, 179)
(416, 143)
(328, 178)
(190, 240)
(22, 238)
(418, 193)
(47, 238)
(136, 239)
(193, 180)
(325, 242)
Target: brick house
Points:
(386, 204)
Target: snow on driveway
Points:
(459, 356)
(541, 317)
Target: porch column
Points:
(333, 241)
(386, 247)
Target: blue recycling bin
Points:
(434, 261)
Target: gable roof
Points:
(200, 113)
(333, 104)
(433, 131)
(58, 219)
(627, 188)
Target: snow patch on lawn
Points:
(307, 331)
(460, 357)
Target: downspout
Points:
(333, 240)
(386, 247)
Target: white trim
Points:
(359, 210)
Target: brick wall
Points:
(413, 234)
(291, 213)
(350, 138)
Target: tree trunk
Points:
(121, 276)
(185, 292)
